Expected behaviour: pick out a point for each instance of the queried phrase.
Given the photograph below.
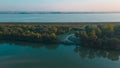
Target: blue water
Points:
(105, 17)
(30, 55)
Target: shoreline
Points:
(60, 23)
(45, 32)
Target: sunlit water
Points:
(105, 17)
(29, 55)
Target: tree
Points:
(38, 35)
(55, 29)
(93, 35)
(53, 36)
(98, 32)
(84, 35)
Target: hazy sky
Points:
(59, 5)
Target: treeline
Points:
(104, 36)
(32, 32)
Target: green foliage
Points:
(101, 36)
(32, 32)
(92, 35)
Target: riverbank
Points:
(35, 32)
(100, 36)
(85, 34)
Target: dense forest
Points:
(104, 36)
(32, 32)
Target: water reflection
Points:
(83, 52)
(33, 45)
(97, 53)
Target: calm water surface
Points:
(29, 55)
(105, 17)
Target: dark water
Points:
(31, 55)
(102, 17)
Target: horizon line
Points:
(54, 12)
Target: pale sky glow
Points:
(60, 5)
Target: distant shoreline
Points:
(62, 23)
(37, 12)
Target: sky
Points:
(61, 5)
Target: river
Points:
(33, 55)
